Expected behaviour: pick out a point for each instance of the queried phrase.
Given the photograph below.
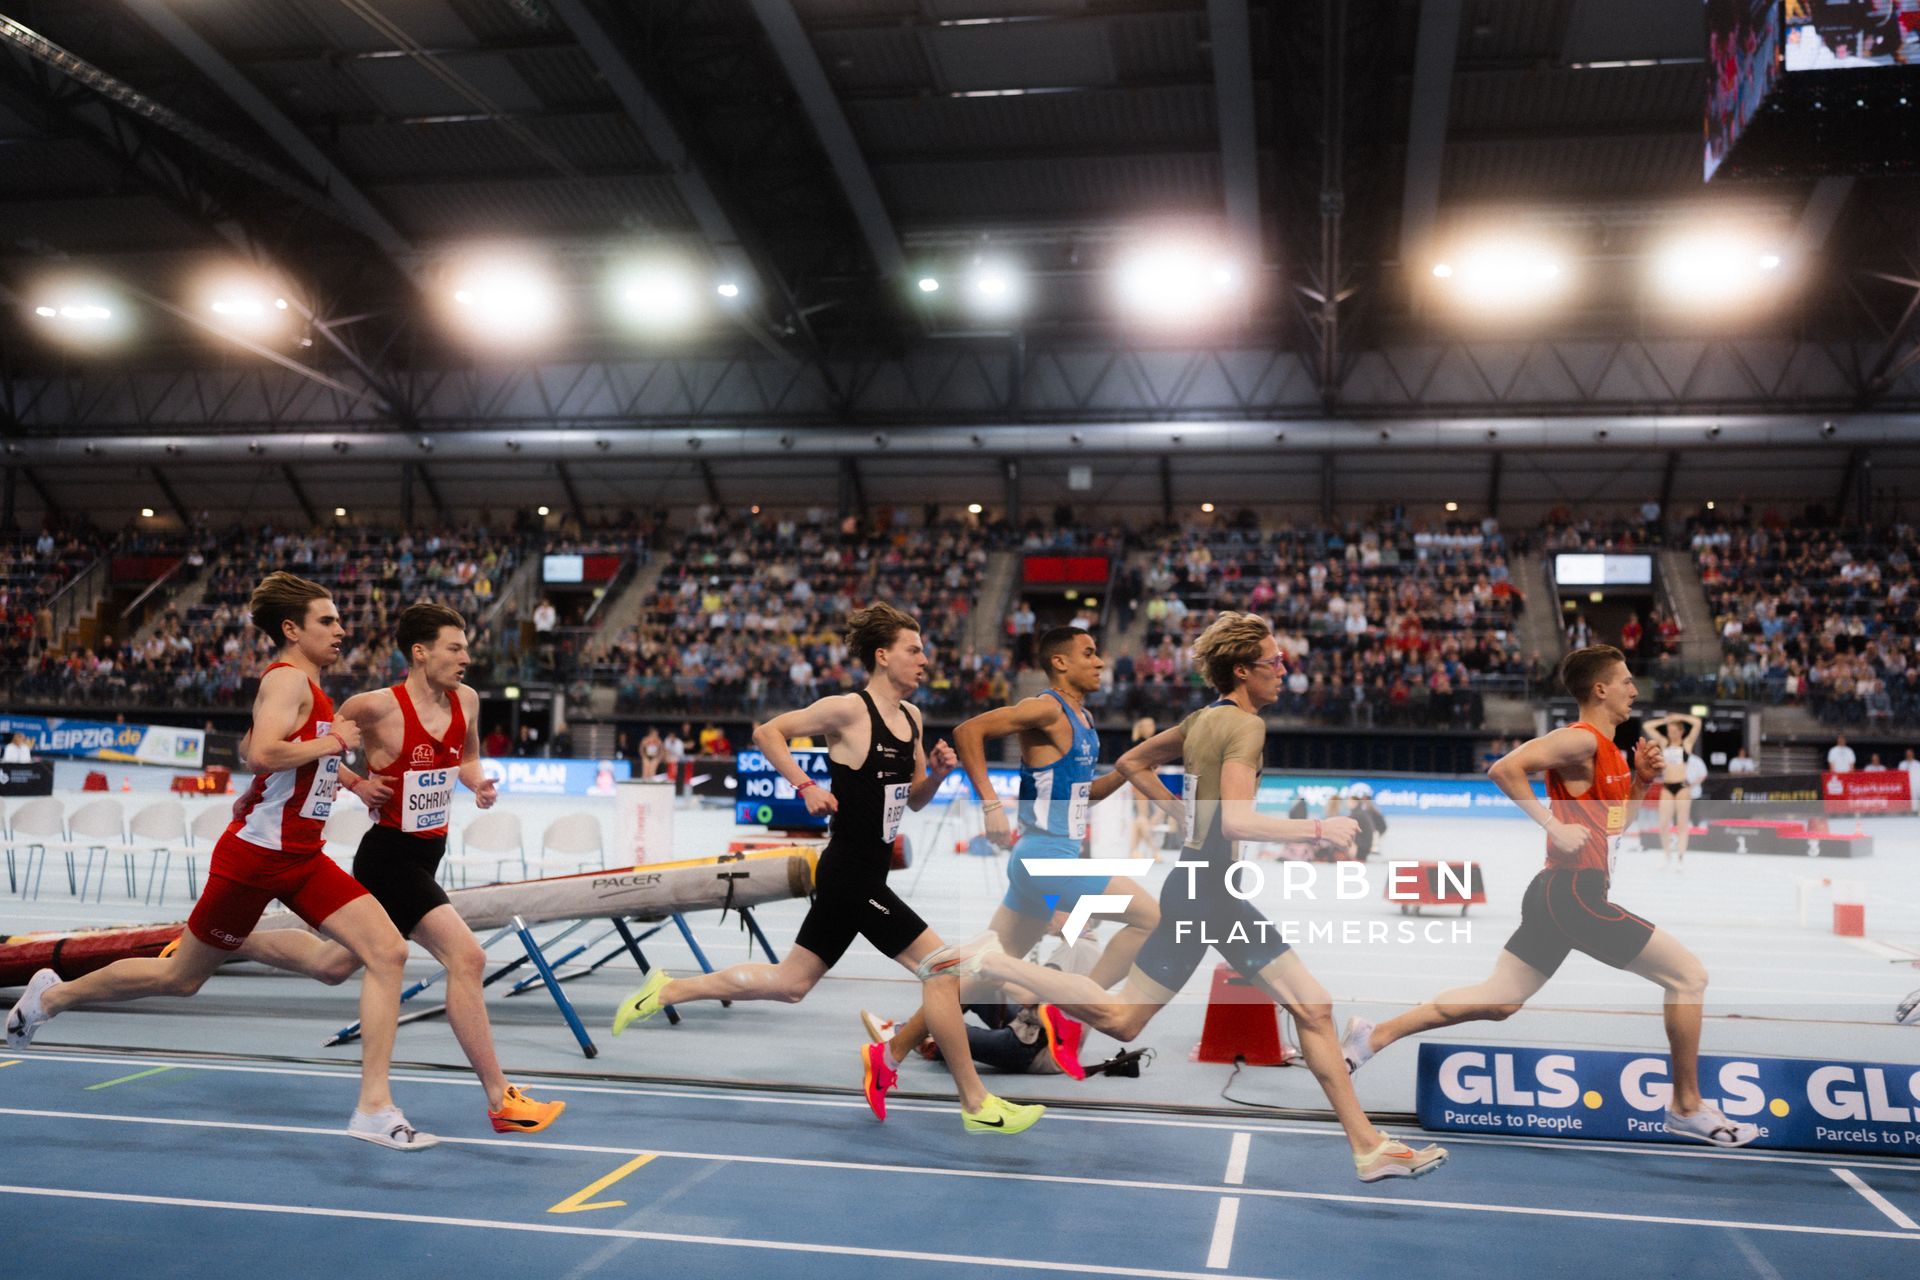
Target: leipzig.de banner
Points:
(156, 744)
(1800, 1104)
(1867, 791)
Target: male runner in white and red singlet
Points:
(273, 850)
(421, 737)
(1594, 794)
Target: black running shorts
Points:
(849, 903)
(1206, 917)
(399, 871)
(1567, 910)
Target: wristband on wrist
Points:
(990, 806)
(804, 786)
(1316, 829)
(342, 741)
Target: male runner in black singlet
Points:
(879, 769)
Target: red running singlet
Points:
(1604, 809)
(424, 773)
(286, 810)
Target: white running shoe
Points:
(388, 1128)
(27, 1015)
(1709, 1126)
(1354, 1043)
(1395, 1159)
(879, 1029)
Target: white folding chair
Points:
(349, 821)
(574, 842)
(209, 825)
(38, 826)
(492, 837)
(159, 830)
(100, 826)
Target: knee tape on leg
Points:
(946, 962)
(962, 961)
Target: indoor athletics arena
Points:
(967, 638)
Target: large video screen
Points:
(765, 799)
(1828, 35)
(1574, 569)
(1743, 44)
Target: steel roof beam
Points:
(829, 121)
(1229, 34)
(347, 198)
(1435, 48)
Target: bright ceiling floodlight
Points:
(659, 296)
(146, 513)
(542, 510)
(504, 299)
(339, 511)
(1176, 284)
(995, 290)
(242, 304)
(974, 508)
(1503, 276)
(1715, 270)
(929, 285)
(729, 289)
(79, 312)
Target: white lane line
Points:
(1373, 1202)
(1221, 1250)
(618, 1233)
(1057, 1112)
(1237, 1159)
(1875, 1199)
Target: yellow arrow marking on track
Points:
(578, 1201)
(138, 1075)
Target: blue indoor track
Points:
(177, 1166)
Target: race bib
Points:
(1077, 805)
(894, 808)
(1189, 790)
(326, 785)
(425, 797)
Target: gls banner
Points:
(96, 740)
(1801, 1104)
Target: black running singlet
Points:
(851, 898)
(872, 797)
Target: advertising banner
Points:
(1801, 1104)
(156, 744)
(1881, 791)
(1752, 795)
(34, 778)
(1397, 797)
(556, 777)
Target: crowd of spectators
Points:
(205, 656)
(1815, 616)
(1381, 624)
(749, 614)
(35, 568)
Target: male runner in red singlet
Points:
(1594, 793)
(421, 737)
(273, 850)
